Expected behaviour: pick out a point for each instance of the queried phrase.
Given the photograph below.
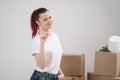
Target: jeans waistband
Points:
(45, 74)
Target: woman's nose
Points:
(50, 21)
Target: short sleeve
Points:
(35, 46)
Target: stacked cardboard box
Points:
(73, 66)
(107, 66)
(93, 76)
(74, 78)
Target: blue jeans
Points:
(43, 76)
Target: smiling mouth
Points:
(49, 24)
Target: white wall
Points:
(83, 26)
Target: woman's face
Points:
(45, 21)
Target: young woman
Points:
(46, 47)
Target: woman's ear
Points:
(38, 23)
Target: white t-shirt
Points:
(53, 53)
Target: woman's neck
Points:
(45, 30)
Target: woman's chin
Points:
(50, 27)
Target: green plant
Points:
(104, 49)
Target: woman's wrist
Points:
(42, 45)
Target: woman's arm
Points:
(60, 74)
(40, 58)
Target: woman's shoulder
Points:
(54, 33)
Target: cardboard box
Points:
(107, 63)
(73, 64)
(93, 76)
(74, 78)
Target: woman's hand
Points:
(60, 75)
(43, 35)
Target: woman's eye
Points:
(45, 19)
(50, 17)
